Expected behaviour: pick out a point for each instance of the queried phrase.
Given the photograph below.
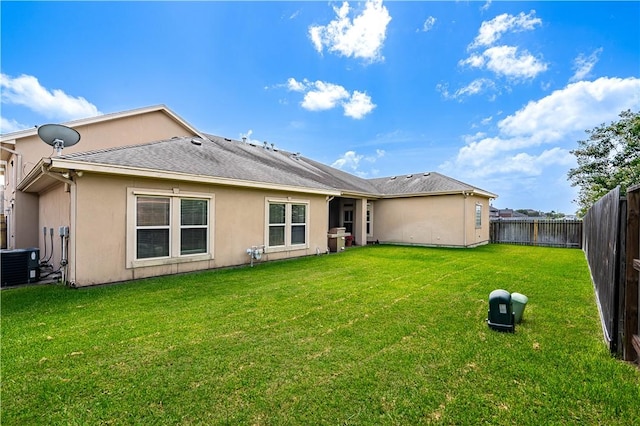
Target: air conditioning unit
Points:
(21, 266)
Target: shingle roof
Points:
(219, 157)
(421, 183)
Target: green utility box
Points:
(518, 303)
(501, 316)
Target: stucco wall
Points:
(100, 252)
(54, 212)
(135, 129)
(443, 220)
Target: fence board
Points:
(534, 232)
(601, 244)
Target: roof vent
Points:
(265, 145)
(392, 178)
(426, 174)
(409, 176)
(196, 141)
(227, 139)
(244, 139)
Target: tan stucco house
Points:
(146, 194)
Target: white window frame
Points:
(288, 224)
(478, 216)
(175, 227)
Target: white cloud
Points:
(360, 37)
(428, 24)
(296, 86)
(373, 158)
(8, 125)
(358, 105)
(506, 61)
(321, 96)
(324, 96)
(26, 90)
(583, 65)
(486, 121)
(477, 86)
(474, 61)
(247, 137)
(491, 31)
(486, 5)
(577, 107)
(348, 160)
(351, 161)
(559, 118)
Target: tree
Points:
(608, 158)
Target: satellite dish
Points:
(58, 136)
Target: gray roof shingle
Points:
(225, 158)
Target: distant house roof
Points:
(220, 160)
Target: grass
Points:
(375, 335)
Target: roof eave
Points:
(469, 192)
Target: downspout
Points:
(17, 173)
(18, 168)
(329, 200)
(464, 218)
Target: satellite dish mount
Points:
(58, 136)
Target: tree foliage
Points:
(608, 158)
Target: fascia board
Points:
(437, 193)
(33, 176)
(65, 164)
(351, 194)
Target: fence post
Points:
(632, 300)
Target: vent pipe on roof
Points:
(265, 145)
(244, 139)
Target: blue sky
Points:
(495, 94)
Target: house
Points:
(146, 194)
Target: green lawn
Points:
(375, 335)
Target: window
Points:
(286, 224)
(369, 219)
(168, 227)
(277, 224)
(478, 216)
(152, 227)
(193, 226)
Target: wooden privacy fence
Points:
(535, 232)
(602, 246)
(612, 247)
